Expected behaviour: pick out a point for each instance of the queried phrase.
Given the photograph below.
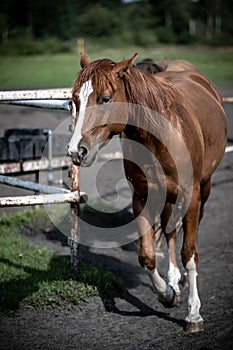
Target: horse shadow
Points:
(144, 310)
(130, 274)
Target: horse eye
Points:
(105, 99)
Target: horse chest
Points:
(151, 178)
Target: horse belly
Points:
(206, 110)
(214, 130)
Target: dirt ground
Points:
(137, 320)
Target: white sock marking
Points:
(174, 277)
(158, 281)
(194, 303)
(84, 94)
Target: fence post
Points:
(75, 186)
(80, 45)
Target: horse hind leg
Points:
(205, 192)
(194, 321)
(174, 275)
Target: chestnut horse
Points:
(179, 119)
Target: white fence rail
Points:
(227, 99)
(42, 94)
(55, 99)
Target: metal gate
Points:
(54, 99)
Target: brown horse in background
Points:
(148, 65)
(179, 119)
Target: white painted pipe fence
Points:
(55, 99)
(51, 194)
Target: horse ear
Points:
(123, 65)
(164, 63)
(84, 60)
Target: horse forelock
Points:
(100, 74)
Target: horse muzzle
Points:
(78, 157)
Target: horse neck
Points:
(150, 99)
(148, 90)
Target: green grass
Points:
(36, 277)
(60, 70)
(38, 71)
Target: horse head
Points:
(97, 92)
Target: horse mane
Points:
(95, 70)
(162, 100)
(149, 90)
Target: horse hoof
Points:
(193, 327)
(169, 299)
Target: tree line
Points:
(118, 22)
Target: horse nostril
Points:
(83, 151)
(75, 157)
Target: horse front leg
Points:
(174, 275)
(194, 321)
(147, 258)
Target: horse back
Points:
(193, 80)
(181, 65)
(203, 103)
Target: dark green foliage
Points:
(25, 26)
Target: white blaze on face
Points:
(84, 94)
